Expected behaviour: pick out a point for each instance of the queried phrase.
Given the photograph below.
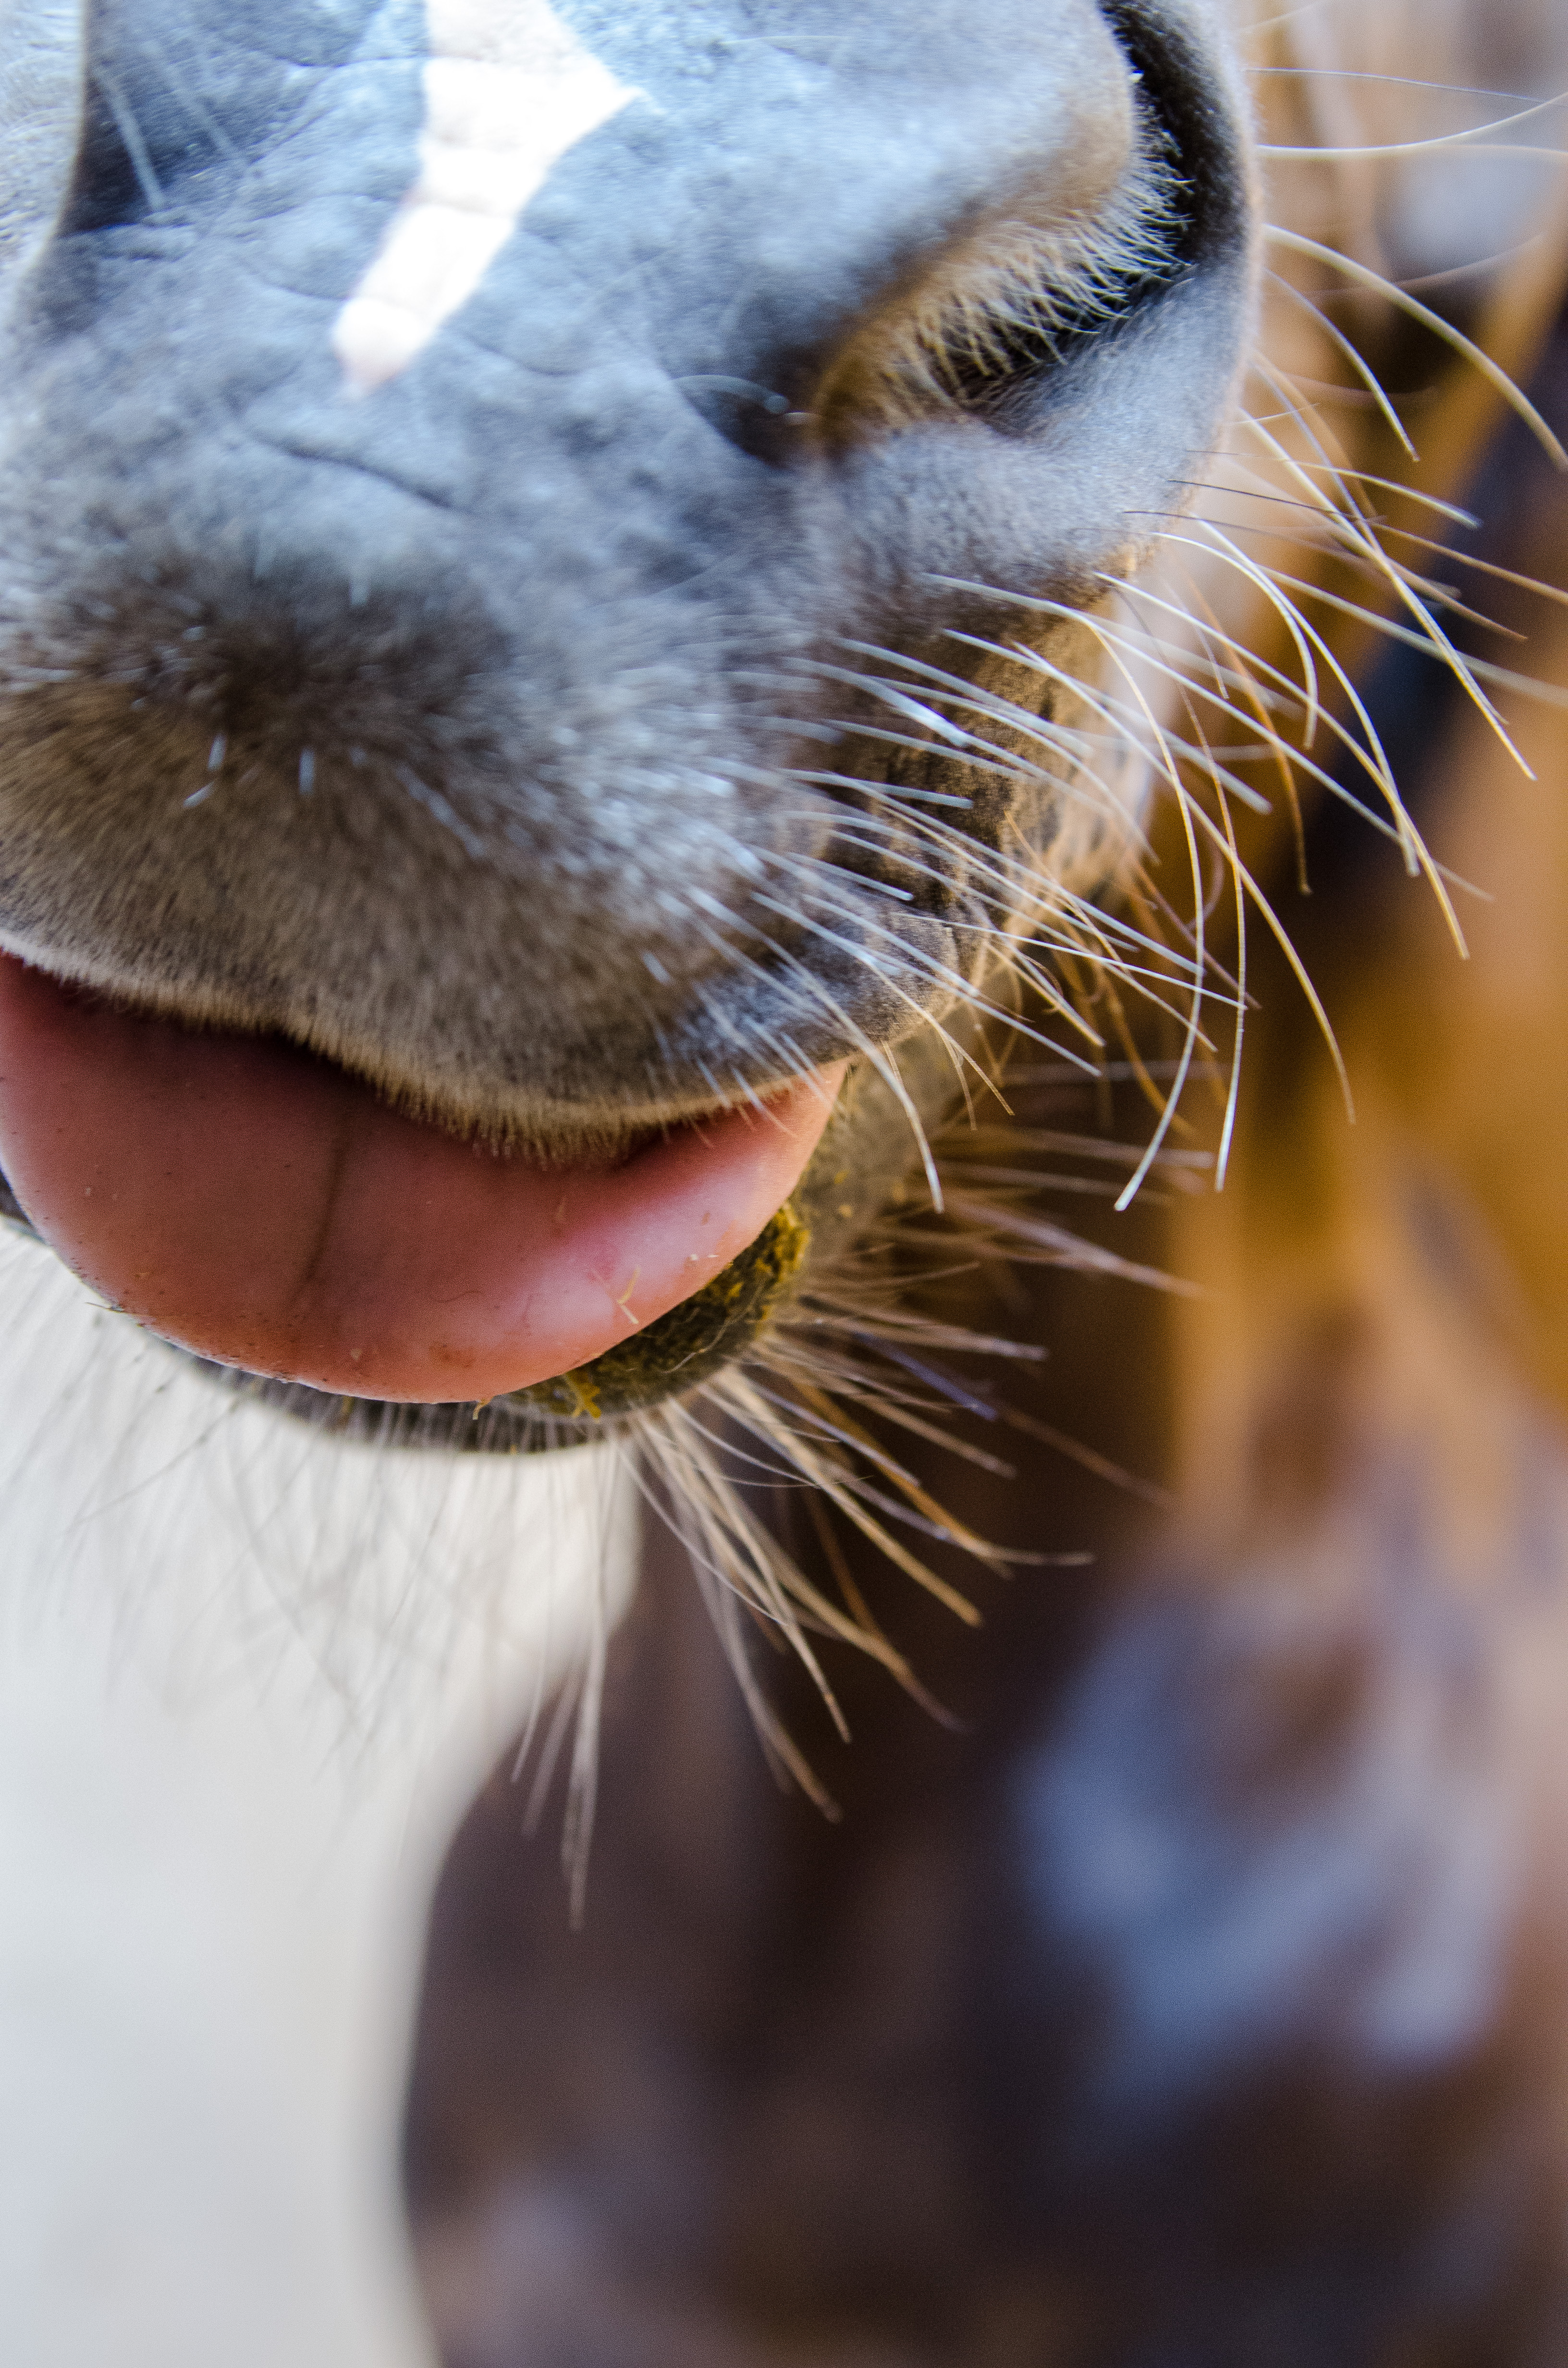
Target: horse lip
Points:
(266, 1209)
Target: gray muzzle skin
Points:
(539, 734)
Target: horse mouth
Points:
(261, 1207)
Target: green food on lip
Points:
(688, 1343)
(676, 1352)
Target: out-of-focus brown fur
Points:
(1199, 1995)
(1262, 2053)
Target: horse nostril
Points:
(984, 301)
(158, 136)
(140, 136)
(1177, 84)
(114, 180)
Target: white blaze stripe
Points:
(508, 90)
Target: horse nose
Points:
(371, 691)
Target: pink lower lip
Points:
(264, 1208)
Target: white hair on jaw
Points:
(508, 90)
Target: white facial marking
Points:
(508, 90)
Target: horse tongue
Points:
(262, 1207)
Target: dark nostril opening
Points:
(1176, 84)
(114, 179)
(140, 132)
